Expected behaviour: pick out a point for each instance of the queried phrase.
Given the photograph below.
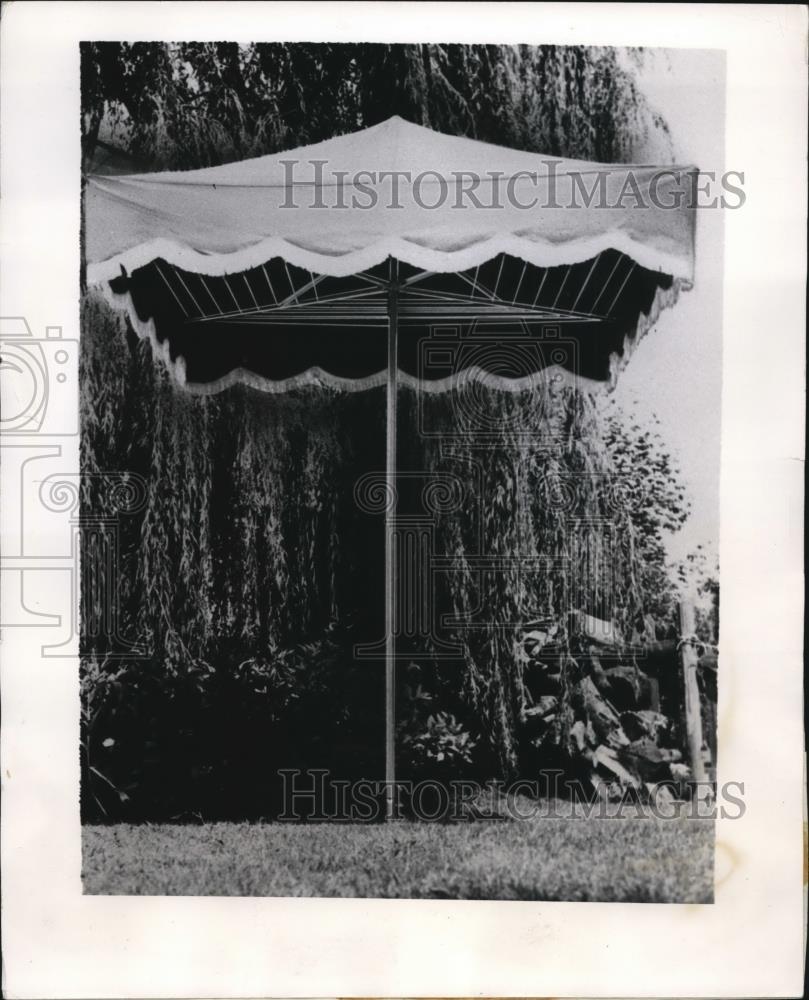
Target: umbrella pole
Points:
(390, 540)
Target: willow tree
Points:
(196, 104)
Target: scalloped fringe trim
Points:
(122, 302)
(665, 298)
(316, 376)
(542, 253)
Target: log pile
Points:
(592, 708)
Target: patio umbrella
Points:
(439, 259)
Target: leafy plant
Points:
(439, 748)
(653, 492)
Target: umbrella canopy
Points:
(438, 202)
(221, 267)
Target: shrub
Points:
(440, 748)
(208, 742)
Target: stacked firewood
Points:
(593, 708)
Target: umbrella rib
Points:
(562, 286)
(629, 274)
(415, 303)
(499, 275)
(288, 309)
(210, 293)
(189, 292)
(330, 322)
(475, 284)
(587, 280)
(413, 279)
(355, 316)
(295, 297)
(371, 280)
(337, 297)
(541, 286)
(289, 279)
(249, 289)
(606, 284)
(168, 285)
(430, 293)
(227, 285)
(519, 283)
(269, 283)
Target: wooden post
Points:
(390, 540)
(693, 712)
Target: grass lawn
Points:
(627, 859)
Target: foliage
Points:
(216, 545)
(181, 105)
(651, 483)
(205, 742)
(430, 744)
(698, 578)
(441, 747)
(537, 482)
(221, 585)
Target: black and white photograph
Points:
(389, 588)
(402, 455)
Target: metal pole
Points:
(693, 710)
(390, 540)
